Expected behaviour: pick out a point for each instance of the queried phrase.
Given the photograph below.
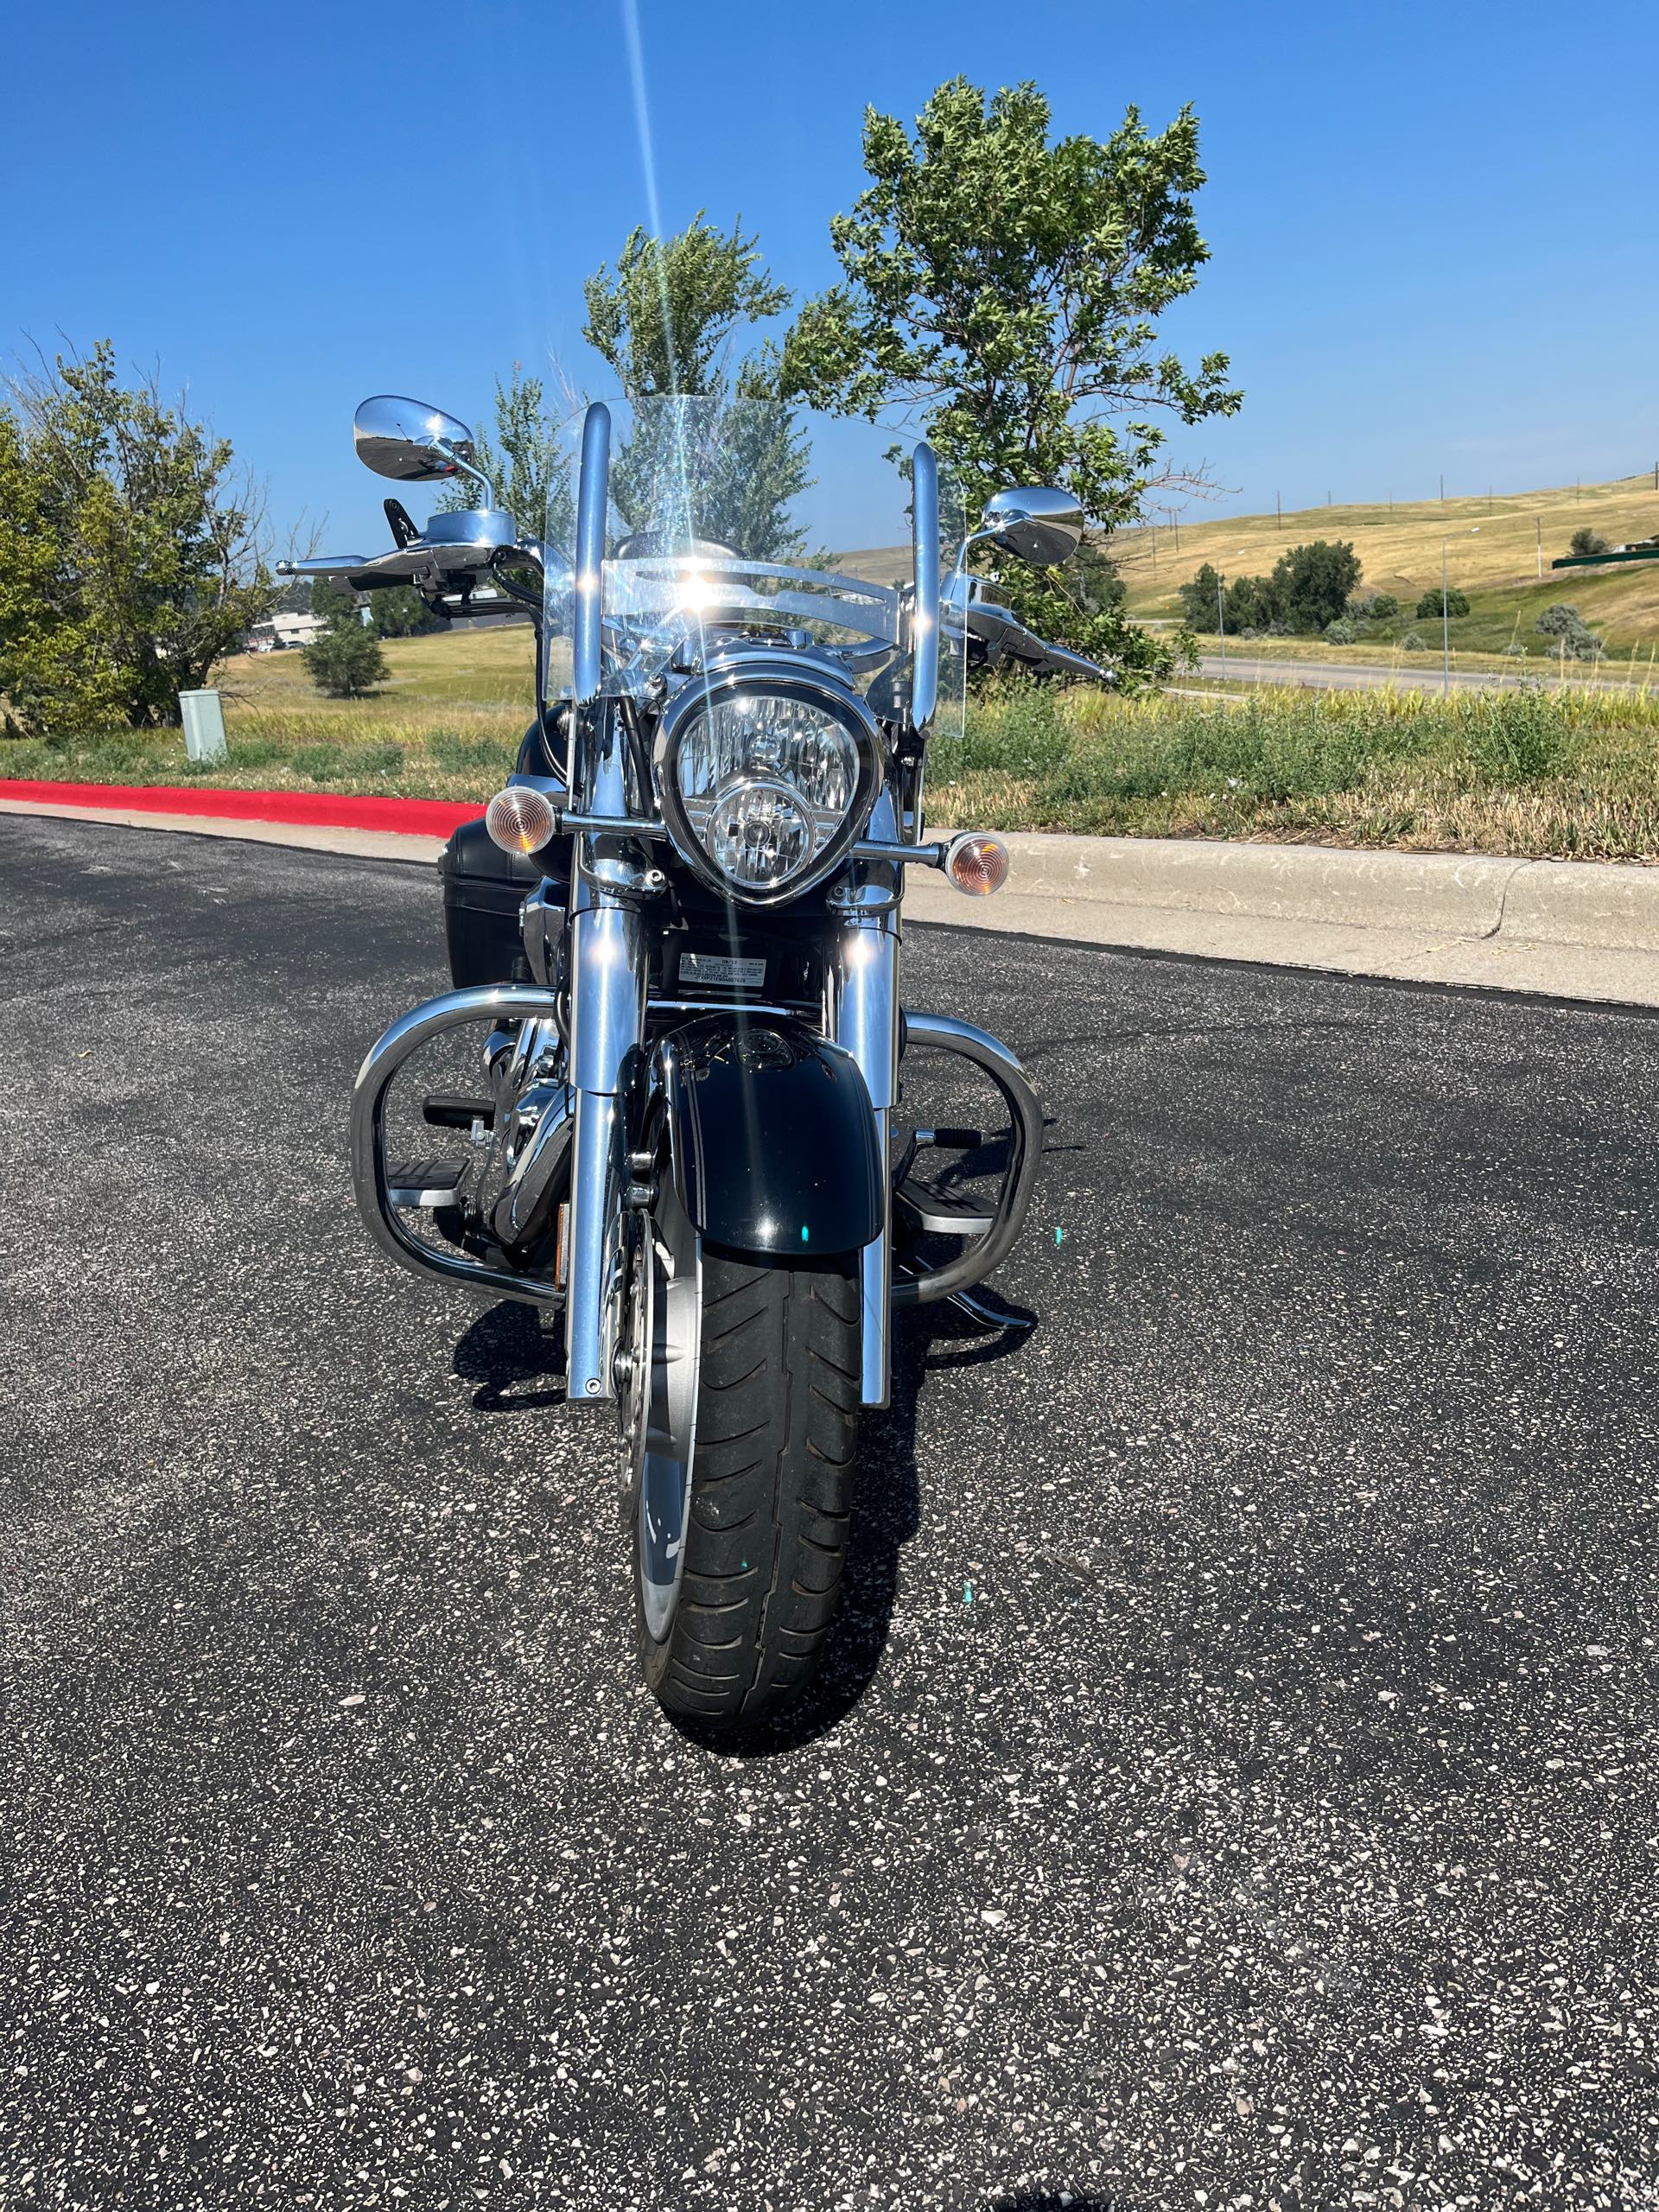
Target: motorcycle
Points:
(678, 927)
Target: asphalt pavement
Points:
(1426, 675)
(1234, 1781)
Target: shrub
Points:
(1413, 642)
(1429, 608)
(1559, 620)
(1573, 635)
(1583, 542)
(1373, 606)
(1342, 631)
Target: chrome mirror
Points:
(411, 442)
(1036, 524)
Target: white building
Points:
(280, 631)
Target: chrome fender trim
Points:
(495, 1002)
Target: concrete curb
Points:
(1568, 928)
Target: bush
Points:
(1373, 606)
(1574, 637)
(1342, 631)
(1559, 620)
(1583, 542)
(1413, 642)
(1429, 608)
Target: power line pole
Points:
(1221, 626)
(1445, 631)
(1442, 490)
(1279, 505)
(1539, 520)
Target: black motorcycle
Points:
(678, 929)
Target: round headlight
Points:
(764, 786)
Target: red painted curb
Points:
(409, 817)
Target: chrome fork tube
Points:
(608, 1021)
(867, 1023)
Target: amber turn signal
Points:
(519, 819)
(977, 864)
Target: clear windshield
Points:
(749, 516)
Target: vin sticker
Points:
(720, 969)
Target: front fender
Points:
(771, 1139)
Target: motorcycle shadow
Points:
(515, 1366)
(886, 1515)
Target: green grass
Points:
(1529, 772)
(1534, 771)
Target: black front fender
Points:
(771, 1139)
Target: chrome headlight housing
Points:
(765, 779)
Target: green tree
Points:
(720, 455)
(1250, 604)
(400, 612)
(1006, 292)
(344, 660)
(661, 320)
(1587, 541)
(1430, 609)
(131, 557)
(1310, 584)
(1202, 601)
(526, 461)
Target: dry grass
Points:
(1491, 543)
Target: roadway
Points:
(1233, 1782)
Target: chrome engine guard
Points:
(943, 1032)
(495, 1002)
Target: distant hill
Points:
(1492, 553)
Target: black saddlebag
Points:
(483, 890)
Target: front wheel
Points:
(731, 1620)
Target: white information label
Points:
(720, 969)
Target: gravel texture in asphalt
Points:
(1233, 1784)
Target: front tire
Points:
(766, 1533)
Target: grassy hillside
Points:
(467, 674)
(1491, 553)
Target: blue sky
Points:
(1433, 233)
